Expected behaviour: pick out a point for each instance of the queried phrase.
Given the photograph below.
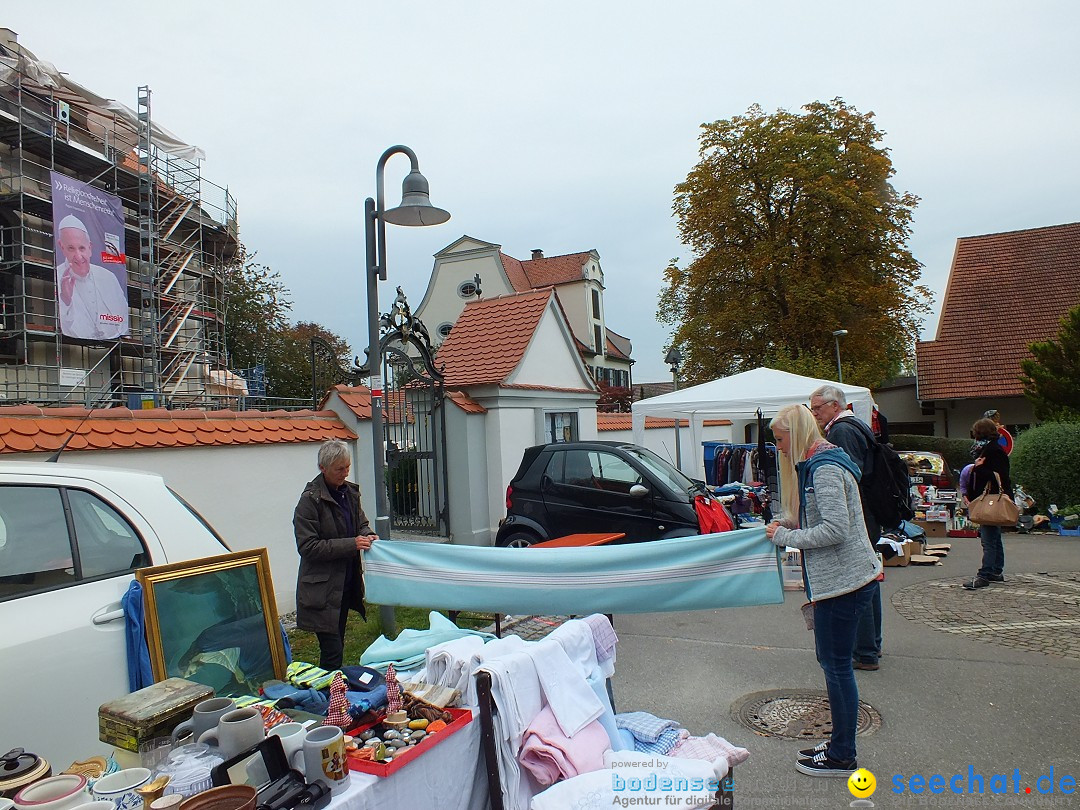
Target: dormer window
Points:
(467, 289)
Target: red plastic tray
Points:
(462, 718)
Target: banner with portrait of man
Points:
(91, 268)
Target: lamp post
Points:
(415, 210)
(674, 359)
(839, 333)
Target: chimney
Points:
(537, 253)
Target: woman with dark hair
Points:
(990, 458)
(822, 516)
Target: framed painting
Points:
(214, 621)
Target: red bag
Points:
(712, 516)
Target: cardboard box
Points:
(933, 528)
(900, 560)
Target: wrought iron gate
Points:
(414, 426)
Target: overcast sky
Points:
(565, 125)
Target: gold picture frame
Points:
(214, 621)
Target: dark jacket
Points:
(326, 552)
(997, 461)
(855, 438)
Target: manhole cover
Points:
(796, 715)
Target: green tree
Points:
(796, 232)
(1051, 376)
(258, 330)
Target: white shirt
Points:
(98, 308)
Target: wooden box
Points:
(151, 712)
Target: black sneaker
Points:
(995, 577)
(822, 765)
(807, 753)
(976, 582)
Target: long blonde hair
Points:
(798, 422)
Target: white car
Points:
(71, 537)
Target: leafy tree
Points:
(613, 398)
(1046, 462)
(796, 232)
(258, 330)
(1051, 376)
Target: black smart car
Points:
(586, 487)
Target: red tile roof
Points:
(490, 337)
(29, 429)
(515, 272)
(358, 400)
(552, 270)
(1005, 291)
(623, 421)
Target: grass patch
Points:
(360, 634)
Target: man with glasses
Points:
(844, 429)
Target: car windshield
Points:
(662, 470)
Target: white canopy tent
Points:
(739, 397)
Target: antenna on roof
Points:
(56, 456)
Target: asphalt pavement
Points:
(972, 684)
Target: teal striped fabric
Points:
(731, 569)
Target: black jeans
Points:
(332, 645)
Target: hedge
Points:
(1046, 462)
(957, 452)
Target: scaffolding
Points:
(180, 235)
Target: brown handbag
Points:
(994, 508)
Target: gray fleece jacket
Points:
(836, 551)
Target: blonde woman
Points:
(822, 516)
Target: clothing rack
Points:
(725, 796)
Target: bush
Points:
(957, 452)
(1046, 463)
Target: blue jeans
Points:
(868, 634)
(993, 561)
(835, 621)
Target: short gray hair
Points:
(830, 393)
(331, 451)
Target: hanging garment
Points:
(712, 516)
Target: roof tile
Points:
(26, 428)
(1005, 291)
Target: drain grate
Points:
(796, 715)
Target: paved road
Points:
(987, 680)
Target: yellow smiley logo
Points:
(862, 784)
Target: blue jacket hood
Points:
(830, 455)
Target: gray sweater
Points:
(836, 551)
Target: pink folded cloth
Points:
(549, 755)
(708, 747)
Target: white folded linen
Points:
(564, 684)
(448, 664)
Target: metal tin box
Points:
(151, 712)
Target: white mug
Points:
(292, 741)
(120, 788)
(236, 731)
(324, 758)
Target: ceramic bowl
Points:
(99, 804)
(121, 788)
(55, 793)
(227, 797)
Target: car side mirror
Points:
(638, 491)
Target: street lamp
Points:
(839, 333)
(674, 359)
(415, 210)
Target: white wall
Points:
(662, 442)
(467, 471)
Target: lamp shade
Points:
(416, 207)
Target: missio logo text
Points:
(111, 318)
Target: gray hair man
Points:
(331, 531)
(844, 429)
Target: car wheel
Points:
(518, 539)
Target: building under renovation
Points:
(179, 232)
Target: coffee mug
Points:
(205, 717)
(236, 731)
(324, 758)
(120, 788)
(292, 741)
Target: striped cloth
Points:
(731, 569)
(309, 676)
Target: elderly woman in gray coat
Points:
(823, 517)
(331, 530)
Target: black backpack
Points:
(886, 486)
